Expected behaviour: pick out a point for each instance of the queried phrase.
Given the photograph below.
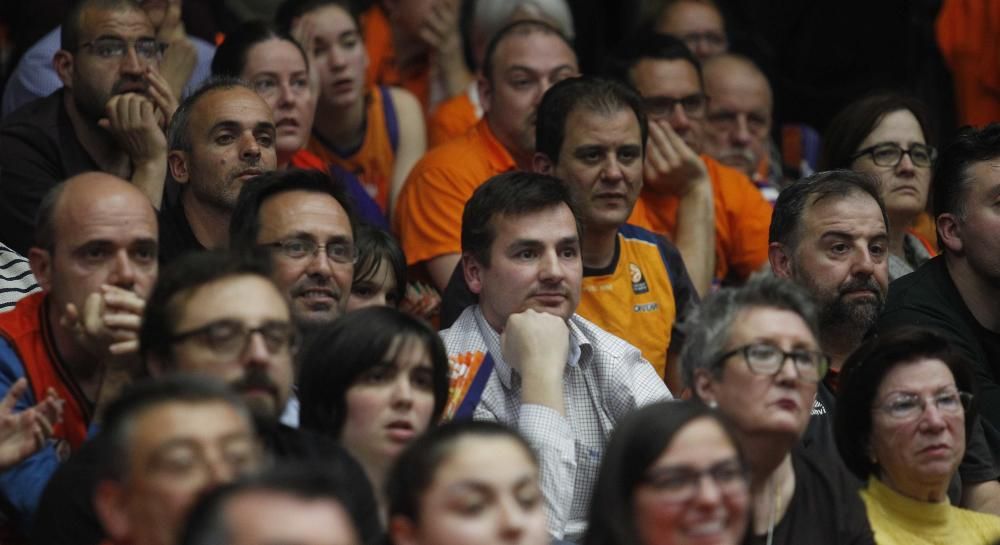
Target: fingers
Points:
(161, 95)
(122, 300)
(124, 347)
(13, 394)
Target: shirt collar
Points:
(580, 350)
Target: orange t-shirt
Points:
(382, 64)
(451, 119)
(428, 217)
(742, 221)
(373, 162)
(968, 34)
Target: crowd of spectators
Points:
(434, 272)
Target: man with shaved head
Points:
(95, 258)
(738, 120)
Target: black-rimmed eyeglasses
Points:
(889, 154)
(767, 359)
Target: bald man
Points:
(738, 119)
(95, 259)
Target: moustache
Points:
(130, 84)
(256, 379)
(863, 284)
(744, 154)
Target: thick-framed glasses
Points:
(693, 105)
(338, 251)
(116, 48)
(889, 154)
(767, 359)
(679, 484)
(229, 338)
(715, 40)
(904, 406)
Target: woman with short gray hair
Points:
(752, 353)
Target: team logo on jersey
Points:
(639, 284)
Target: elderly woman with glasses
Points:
(903, 418)
(886, 135)
(752, 353)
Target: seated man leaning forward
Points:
(522, 357)
(95, 259)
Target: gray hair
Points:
(178, 134)
(709, 326)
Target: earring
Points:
(713, 404)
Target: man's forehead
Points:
(533, 48)
(584, 125)
(824, 209)
(235, 105)
(554, 223)
(221, 299)
(173, 422)
(313, 214)
(127, 23)
(665, 77)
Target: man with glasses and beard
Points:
(108, 116)
(829, 234)
(219, 316)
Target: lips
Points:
(287, 122)
(343, 85)
(316, 298)
(401, 431)
(787, 404)
(937, 449)
(249, 173)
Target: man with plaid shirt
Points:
(522, 357)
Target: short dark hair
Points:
(290, 10)
(951, 177)
(792, 201)
(231, 56)
(176, 283)
(521, 27)
(45, 217)
(863, 373)
(649, 44)
(636, 444)
(139, 397)
(415, 469)
(178, 133)
(72, 23)
(310, 481)
(858, 119)
(338, 355)
(509, 194)
(587, 93)
(376, 246)
(244, 226)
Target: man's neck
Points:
(523, 159)
(978, 293)
(96, 141)
(599, 247)
(210, 224)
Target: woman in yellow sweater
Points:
(903, 415)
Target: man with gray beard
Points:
(829, 233)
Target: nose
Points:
(708, 492)
(319, 264)
(250, 148)
(131, 63)
(679, 121)
(123, 271)
(256, 352)
(905, 165)
(510, 520)
(933, 419)
(402, 391)
(864, 264)
(335, 59)
(287, 96)
(741, 135)
(550, 269)
(218, 471)
(787, 373)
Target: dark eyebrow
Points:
(229, 124)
